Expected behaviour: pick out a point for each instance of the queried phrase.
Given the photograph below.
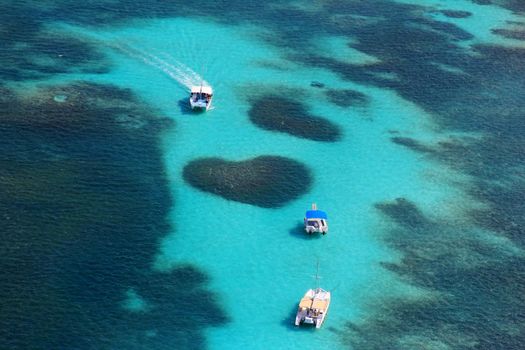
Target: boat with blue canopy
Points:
(315, 220)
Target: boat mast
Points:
(317, 275)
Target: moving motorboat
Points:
(201, 97)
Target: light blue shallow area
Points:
(260, 267)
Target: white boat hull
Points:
(201, 97)
(313, 308)
(313, 229)
(200, 104)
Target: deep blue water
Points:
(128, 222)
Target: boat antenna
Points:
(317, 277)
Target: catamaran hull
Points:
(317, 322)
(200, 105)
(313, 307)
(201, 97)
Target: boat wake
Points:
(166, 63)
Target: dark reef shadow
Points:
(86, 201)
(317, 84)
(288, 115)
(456, 14)
(265, 181)
(510, 34)
(347, 98)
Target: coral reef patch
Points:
(283, 114)
(265, 181)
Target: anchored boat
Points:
(315, 220)
(313, 307)
(201, 97)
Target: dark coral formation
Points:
(35, 55)
(75, 110)
(347, 98)
(317, 84)
(510, 33)
(482, 2)
(403, 212)
(84, 201)
(456, 14)
(412, 144)
(265, 181)
(282, 114)
(462, 270)
(517, 6)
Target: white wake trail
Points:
(187, 71)
(176, 70)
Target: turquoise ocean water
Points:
(421, 183)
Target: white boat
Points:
(315, 220)
(313, 307)
(201, 97)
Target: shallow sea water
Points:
(400, 183)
